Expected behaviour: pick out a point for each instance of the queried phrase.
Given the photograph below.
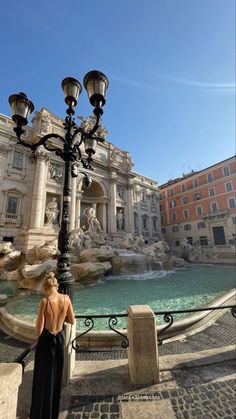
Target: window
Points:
(174, 217)
(172, 204)
(186, 213)
(12, 205)
(177, 243)
(175, 228)
(203, 240)
(195, 183)
(187, 226)
(163, 230)
(161, 207)
(17, 160)
(136, 223)
(183, 188)
(199, 210)
(234, 220)
(228, 187)
(226, 170)
(185, 199)
(145, 221)
(197, 196)
(154, 223)
(172, 192)
(190, 240)
(210, 177)
(232, 203)
(211, 191)
(201, 225)
(214, 206)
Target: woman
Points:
(49, 356)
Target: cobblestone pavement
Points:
(11, 348)
(208, 401)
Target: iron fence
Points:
(89, 322)
(112, 321)
(169, 319)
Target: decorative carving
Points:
(88, 123)
(55, 173)
(41, 122)
(120, 191)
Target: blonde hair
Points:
(50, 281)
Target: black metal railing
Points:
(89, 322)
(21, 359)
(169, 319)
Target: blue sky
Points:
(170, 63)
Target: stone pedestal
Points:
(142, 350)
(69, 362)
(27, 239)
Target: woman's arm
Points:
(40, 319)
(70, 316)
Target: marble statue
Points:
(120, 220)
(52, 211)
(92, 225)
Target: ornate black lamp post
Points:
(68, 148)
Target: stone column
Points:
(130, 209)
(104, 216)
(37, 210)
(142, 349)
(112, 206)
(140, 224)
(73, 204)
(77, 211)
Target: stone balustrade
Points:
(10, 380)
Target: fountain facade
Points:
(31, 190)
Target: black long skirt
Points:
(47, 378)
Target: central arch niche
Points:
(95, 197)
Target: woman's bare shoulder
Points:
(67, 299)
(43, 302)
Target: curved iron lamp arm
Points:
(43, 142)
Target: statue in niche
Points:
(120, 191)
(54, 174)
(120, 220)
(52, 211)
(92, 225)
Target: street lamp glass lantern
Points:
(21, 107)
(90, 146)
(72, 89)
(96, 84)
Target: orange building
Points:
(200, 207)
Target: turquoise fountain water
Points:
(195, 287)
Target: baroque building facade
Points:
(31, 189)
(200, 208)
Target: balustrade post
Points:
(142, 349)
